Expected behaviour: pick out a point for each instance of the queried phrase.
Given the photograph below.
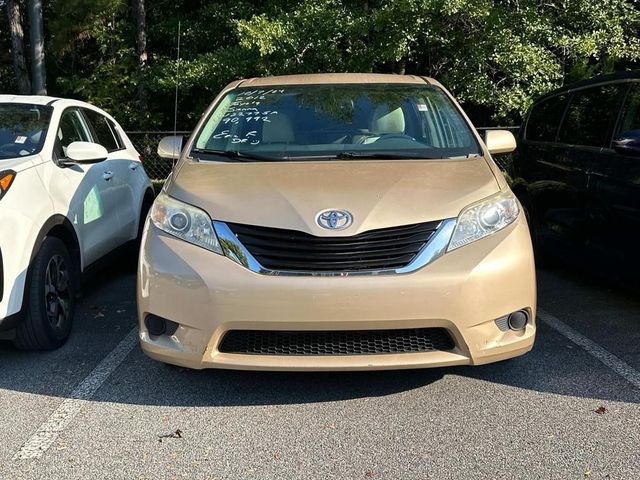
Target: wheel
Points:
(50, 298)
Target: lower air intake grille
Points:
(345, 342)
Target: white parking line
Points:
(621, 367)
(47, 433)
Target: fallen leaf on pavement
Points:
(176, 434)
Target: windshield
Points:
(335, 121)
(23, 128)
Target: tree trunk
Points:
(139, 11)
(17, 47)
(38, 72)
(400, 66)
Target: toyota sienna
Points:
(336, 222)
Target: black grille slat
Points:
(346, 266)
(338, 342)
(333, 255)
(281, 249)
(371, 234)
(332, 246)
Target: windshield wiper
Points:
(235, 154)
(382, 155)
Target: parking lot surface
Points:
(98, 408)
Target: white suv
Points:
(72, 189)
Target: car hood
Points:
(18, 164)
(290, 195)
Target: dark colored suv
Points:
(577, 171)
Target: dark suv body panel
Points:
(583, 196)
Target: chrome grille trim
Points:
(432, 250)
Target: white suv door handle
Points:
(107, 175)
(133, 166)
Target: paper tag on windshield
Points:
(421, 107)
(20, 139)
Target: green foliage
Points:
(499, 54)
(495, 55)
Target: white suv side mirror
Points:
(170, 147)
(500, 141)
(86, 152)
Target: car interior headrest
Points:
(387, 121)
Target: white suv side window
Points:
(72, 129)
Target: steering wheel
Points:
(387, 136)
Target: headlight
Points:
(185, 222)
(6, 179)
(484, 218)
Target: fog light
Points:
(160, 326)
(518, 320)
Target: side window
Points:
(72, 129)
(631, 110)
(117, 136)
(591, 115)
(544, 119)
(103, 133)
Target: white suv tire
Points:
(50, 298)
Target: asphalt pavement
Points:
(98, 408)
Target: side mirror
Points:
(500, 141)
(170, 147)
(628, 143)
(86, 152)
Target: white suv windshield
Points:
(335, 121)
(23, 127)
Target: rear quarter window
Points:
(103, 130)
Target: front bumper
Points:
(464, 291)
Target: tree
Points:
(139, 13)
(17, 47)
(496, 56)
(38, 71)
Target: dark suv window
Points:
(102, 129)
(591, 116)
(545, 118)
(631, 111)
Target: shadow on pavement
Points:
(107, 314)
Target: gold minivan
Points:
(336, 222)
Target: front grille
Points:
(345, 342)
(291, 250)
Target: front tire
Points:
(50, 298)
